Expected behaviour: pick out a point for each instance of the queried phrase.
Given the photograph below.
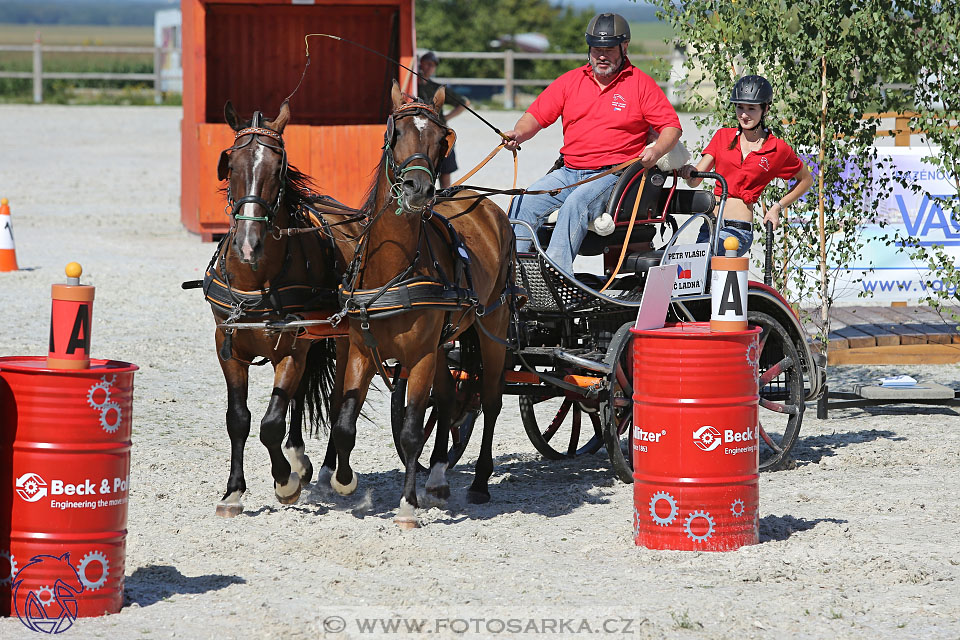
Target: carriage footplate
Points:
(549, 290)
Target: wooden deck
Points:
(891, 335)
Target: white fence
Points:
(509, 81)
(38, 75)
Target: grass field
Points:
(92, 35)
(650, 37)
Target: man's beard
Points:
(612, 70)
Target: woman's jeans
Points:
(744, 236)
(578, 206)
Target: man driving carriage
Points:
(607, 108)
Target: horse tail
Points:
(318, 383)
(470, 360)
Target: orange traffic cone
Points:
(8, 254)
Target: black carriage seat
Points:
(650, 210)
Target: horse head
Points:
(256, 170)
(416, 141)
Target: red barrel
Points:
(695, 438)
(64, 482)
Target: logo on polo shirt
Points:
(764, 163)
(619, 102)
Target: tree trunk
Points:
(821, 197)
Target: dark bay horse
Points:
(415, 283)
(259, 273)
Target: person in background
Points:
(426, 90)
(607, 107)
(750, 157)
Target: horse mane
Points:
(370, 199)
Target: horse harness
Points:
(256, 132)
(283, 300)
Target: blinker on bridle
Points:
(255, 131)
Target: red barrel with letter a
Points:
(64, 482)
(695, 437)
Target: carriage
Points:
(572, 367)
(436, 285)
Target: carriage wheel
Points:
(468, 408)
(565, 435)
(781, 392)
(617, 411)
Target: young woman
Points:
(750, 157)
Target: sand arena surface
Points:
(860, 541)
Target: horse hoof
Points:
(437, 485)
(406, 523)
(440, 492)
(307, 474)
(229, 509)
(288, 493)
(323, 477)
(345, 489)
(406, 517)
(478, 497)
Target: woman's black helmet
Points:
(607, 30)
(752, 90)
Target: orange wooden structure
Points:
(252, 53)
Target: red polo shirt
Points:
(604, 126)
(747, 177)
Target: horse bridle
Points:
(399, 170)
(256, 131)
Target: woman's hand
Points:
(686, 170)
(773, 215)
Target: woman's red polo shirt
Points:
(747, 177)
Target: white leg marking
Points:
(347, 489)
(296, 458)
(292, 486)
(438, 475)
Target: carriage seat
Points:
(653, 200)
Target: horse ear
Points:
(223, 166)
(439, 98)
(230, 115)
(278, 123)
(397, 95)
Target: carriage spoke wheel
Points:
(617, 411)
(781, 392)
(467, 410)
(565, 433)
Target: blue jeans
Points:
(578, 206)
(744, 236)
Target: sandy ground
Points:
(858, 542)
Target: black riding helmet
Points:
(752, 90)
(607, 30)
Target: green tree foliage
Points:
(455, 25)
(828, 61)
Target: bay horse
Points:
(260, 273)
(417, 281)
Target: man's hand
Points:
(510, 142)
(649, 157)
